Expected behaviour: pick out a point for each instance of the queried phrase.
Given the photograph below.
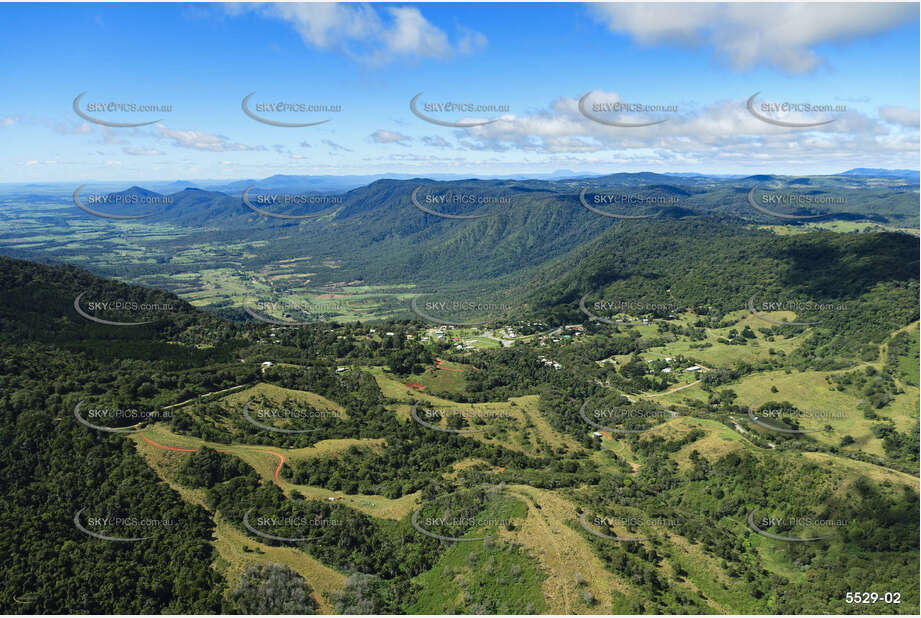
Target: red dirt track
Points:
(276, 475)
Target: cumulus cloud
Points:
(199, 140)
(721, 131)
(383, 136)
(749, 34)
(471, 41)
(900, 115)
(368, 36)
(435, 141)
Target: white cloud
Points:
(366, 35)
(724, 130)
(383, 136)
(411, 35)
(471, 41)
(199, 140)
(435, 141)
(900, 115)
(8, 121)
(750, 34)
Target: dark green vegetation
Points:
(272, 589)
(688, 484)
(209, 246)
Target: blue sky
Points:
(703, 60)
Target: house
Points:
(341, 369)
(667, 370)
(267, 364)
(694, 368)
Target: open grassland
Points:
(264, 459)
(230, 543)
(519, 426)
(810, 392)
(450, 379)
(841, 227)
(723, 354)
(552, 533)
(278, 394)
(492, 575)
(720, 440)
(235, 550)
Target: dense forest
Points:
(58, 472)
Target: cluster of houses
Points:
(667, 359)
(547, 362)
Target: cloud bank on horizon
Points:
(496, 89)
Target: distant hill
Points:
(912, 175)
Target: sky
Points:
(695, 65)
